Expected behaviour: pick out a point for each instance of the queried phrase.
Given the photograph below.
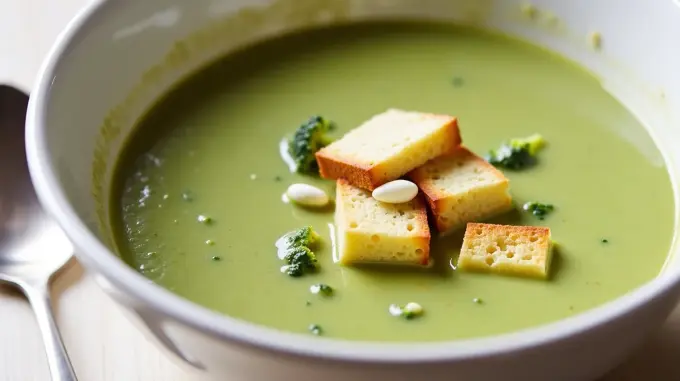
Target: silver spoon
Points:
(32, 247)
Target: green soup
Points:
(211, 148)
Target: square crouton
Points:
(510, 250)
(387, 146)
(461, 188)
(374, 232)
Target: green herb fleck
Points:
(309, 138)
(210, 242)
(321, 288)
(477, 301)
(518, 153)
(409, 311)
(204, 219)
(604, 240)
(308, 303)
(315, 329)
(457, 81)
(216, 258)
(538, 209)
(278, 178)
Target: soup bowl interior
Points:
(115, 60)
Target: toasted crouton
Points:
(510, 250)
(387, 146)
(462, 188)
(371, 231)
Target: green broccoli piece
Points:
(301, 256)
(538, 209)
(294, 271)
(310, 137)
(294, 248)
(518, 153)
(305, 236)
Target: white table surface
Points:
(102, 343)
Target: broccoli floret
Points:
(310, 137)
(305, 236)
(538, 209)
(292, 270)
(295, 270)
(302, 256)
(518, 153)
(294, 248)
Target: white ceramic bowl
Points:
(116, 57)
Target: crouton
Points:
(462, 188)
(374, 232)
(387, 146)
(524, 251)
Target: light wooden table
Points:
(103, 345)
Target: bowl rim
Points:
(101, 260)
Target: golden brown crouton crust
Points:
(335, 168)
(524, 251)
(371, 177)
(472, 229)
(434, 196)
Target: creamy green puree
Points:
(211, 148)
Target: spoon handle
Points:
(57, 358)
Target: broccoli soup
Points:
(461, 141)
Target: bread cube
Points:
(374, 232)
(461, 188)
(387, 146)
(524, 251)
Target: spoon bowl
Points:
(32, 247)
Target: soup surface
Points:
(211, 148)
